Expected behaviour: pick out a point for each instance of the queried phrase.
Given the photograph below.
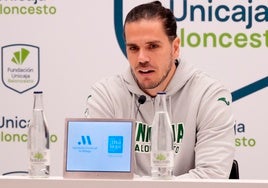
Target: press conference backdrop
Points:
(62, 47)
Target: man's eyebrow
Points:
(131, 44)
(153, 42)
(149, 42)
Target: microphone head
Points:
(142, 99)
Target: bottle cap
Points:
(38, 92)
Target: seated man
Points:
(199, 106)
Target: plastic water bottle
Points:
(38, 140)
(162, 154)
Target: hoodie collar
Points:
(183, 73)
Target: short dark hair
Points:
(154, 10)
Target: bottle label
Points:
(39, 157)
(162, 159)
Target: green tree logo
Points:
(39, 156)
(161, 157)
(20, 56)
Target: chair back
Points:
(234, 171)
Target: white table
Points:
(58, 182)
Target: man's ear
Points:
(176, 47)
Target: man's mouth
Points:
(145, 71)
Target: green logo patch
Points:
(224, 100)
(20, 56)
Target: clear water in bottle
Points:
(162, 154)
(38, 140)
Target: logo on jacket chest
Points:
(143, 137)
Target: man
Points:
(199, 106)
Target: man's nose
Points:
(143, 56)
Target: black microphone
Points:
(141, 100)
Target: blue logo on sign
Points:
(115, 144)
(85, 140)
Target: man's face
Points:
(151, 55)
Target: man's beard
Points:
(156, 83)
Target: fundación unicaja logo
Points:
(20, 66)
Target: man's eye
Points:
(133, 48)
(153, 46)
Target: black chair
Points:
(234, 171)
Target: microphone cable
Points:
(141, 100)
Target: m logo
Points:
(20, 67)
(85, 140)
